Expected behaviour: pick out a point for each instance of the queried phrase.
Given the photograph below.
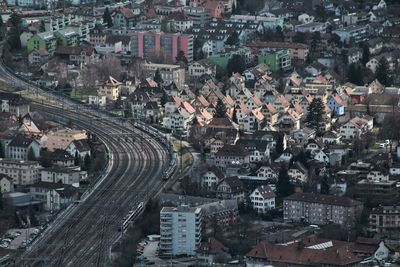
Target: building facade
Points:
(180, 230)
(321, 209)
(22, 172)
(162, 47)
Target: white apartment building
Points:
(180, 230)
(263, 199)
(169, 73)
(354, 128)
(22, 172)
(63, 175)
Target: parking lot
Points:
(19, 238)
(149, 257)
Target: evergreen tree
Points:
(284, 186)
(181, 57)
(107, 18)
(15, 20)
(315, 113)
(1, 151)
(279, 34)
(382, 72)
(42, 26)
(158, 79)
(233, 8)
(354, 74)
(268, 35)
(365, 55)
(324, 186)
(77, 160)
(300, 37)
(87, 162)
(236, 64)
(279, 144)
(220, 109)
(164, 99)
(1, 21)
(234, 116)
(15, 32)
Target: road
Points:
(83, 234)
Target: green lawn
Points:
(79, 94)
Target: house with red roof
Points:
(337, 104)
(215, 7)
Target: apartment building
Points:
(263, 199)
(22, 172)
(61, 138)
(63, 175)
(199, 15)
(14, 104)
(385, 219)
(180, 230)
(162, 47)
(352, 33)
(169, 73)
(321, 209)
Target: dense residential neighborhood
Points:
(221, 133)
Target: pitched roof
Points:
(234, 183)
(265, 191)
(232, 150)
(217, 171)
(111, 81)
(296, 254)
(81, 145)
(21, 141)
(212, 246)
(323, 199)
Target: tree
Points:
(1, 151)
(233, 39)
(281, 86)
(284, 187)
(391, 127)
(300, 37)
(87, 162)
(77, 160)
(382, 72)
(365, 55)
(279, 34)
(15, 20)
(279, 144)
(236, 64)
(107, 18)
(315, 113)
(320, 13)
(354, 74)
(158, 79)
(181, 57)
(42, 27)
(220, 109)
(1, 21)
(268, 35)
(234, 116)
(324, 185)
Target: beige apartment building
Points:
(321, 209)
(385, 219)
(22, 172)
(60, 139)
